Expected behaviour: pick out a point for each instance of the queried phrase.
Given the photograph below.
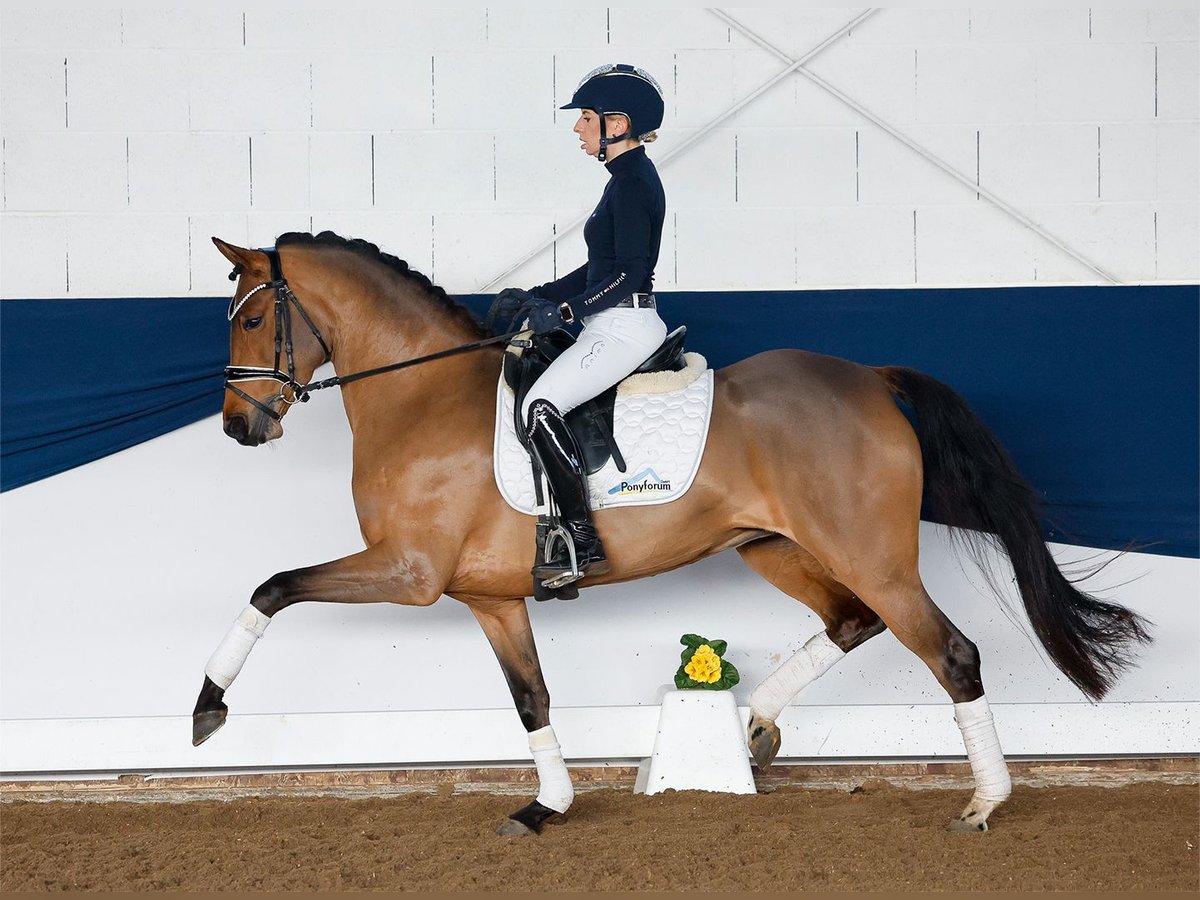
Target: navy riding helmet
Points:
(620, 89)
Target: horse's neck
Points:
(400, 405)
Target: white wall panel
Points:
(250, 91)
(1178, 23)
(123, 91)
(796, 167)
(434, 170)
(1040, 162)
(1095, 82)
(37, 27)
(264, 226)
(189, 172)
(1119, 24)
(1019, 25)
(466, 255)
(854, 245)
(34, 91)
(1179, 81)
(1127, 157)
(1178, 244)
(914, 26)
(408, 235)
(518, 28)
(984, 83)
(776, 107)
(33, 256)
(279, 164)
(339, 172)
(817, 105)
(46, 172)
(377, 91)
(130, 255)
(544, 170)
(880, 78)
(890, 172)
(670, 28)
(704, 177)
(162, 27)
(794, 30)
(1121, 236)
(703, 86)
(373, 28)
(1176, 161)
(952, 240)
(496, 90)
(209, 269)
(718, 249)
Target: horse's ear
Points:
(240, 256)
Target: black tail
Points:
(973, 484)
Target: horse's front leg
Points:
(506, 624)
(373, 576)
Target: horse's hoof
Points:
(205, 724)
(528, 820)
(764, 741)
(962, 826)
(513, 828)
(209, 713)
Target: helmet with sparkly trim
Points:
(620, 89)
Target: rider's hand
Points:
(505, 308)
(543, 315)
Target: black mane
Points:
(367, 250)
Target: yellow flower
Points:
(705, 665)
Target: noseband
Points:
(284, 301)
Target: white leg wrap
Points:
(226, 661)
(555, 789)
(807, 664)
(983, 750)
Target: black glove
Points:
(543, 315)
(504, 308)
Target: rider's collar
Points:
(621, 163)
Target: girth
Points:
(591, 422)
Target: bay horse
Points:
(811, 470)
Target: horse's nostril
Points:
(237, 427)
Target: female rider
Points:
(620, 107)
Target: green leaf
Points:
(682, 681)
(693, 641)
(719, 647)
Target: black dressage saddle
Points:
(591, 423)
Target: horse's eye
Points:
(252, 323)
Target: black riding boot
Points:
(561, 460)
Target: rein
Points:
(300, 393)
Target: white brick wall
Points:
(130, 135)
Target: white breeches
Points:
(612, 344)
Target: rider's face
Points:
(588, 130)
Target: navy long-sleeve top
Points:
(623, 235)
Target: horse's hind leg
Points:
(848, 622)
(917, 622)
(372, 576)
(506, 624)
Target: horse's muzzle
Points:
(238, 427)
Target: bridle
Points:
(284, 301)
(300, 393)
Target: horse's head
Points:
(269, 361)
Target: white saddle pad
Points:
(660, 424)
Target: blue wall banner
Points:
(1095, 391)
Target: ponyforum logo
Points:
(646, 481)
